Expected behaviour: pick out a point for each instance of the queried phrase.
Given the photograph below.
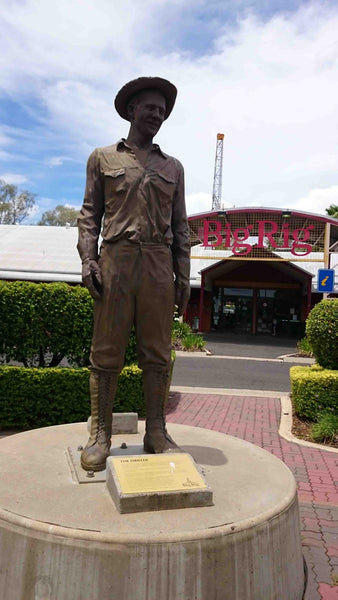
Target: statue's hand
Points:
(182, 295)
(92, 277)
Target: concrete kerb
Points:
(289, 358)
(211, 356)
(224, 391)
(285, 425)
(300, 360)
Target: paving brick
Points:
(331, 538)
(305, 496)
(311, 524)
(312, 592)
(315, 470)
(314, 543)
(323, 573)
(330, 526)
(327, 592)
(304, 487)
(324, 513)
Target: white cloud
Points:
(270, 86)
(4, 139)
(13, 178)
(55, 161)
(318, 200)
(58, 161)
(75, 206)
(198, 203)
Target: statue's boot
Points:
(102, 386)
(156, 440)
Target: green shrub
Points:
(193, 342)
(304, 347)
(314, 390)
(326, 429)
(322, 333)
(33, 397)
(131, 355)
(42, 323)
(180, 329)
(183, 337)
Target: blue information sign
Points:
(325, 280)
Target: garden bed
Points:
(301, 428)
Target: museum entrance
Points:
(232, 310)
(257, 311)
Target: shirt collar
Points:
(155, 147)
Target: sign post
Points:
(325, 280)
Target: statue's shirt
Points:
(142, 204)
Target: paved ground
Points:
(200, 370)
(262, 346)
(256, 419)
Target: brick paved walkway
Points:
(316, 471)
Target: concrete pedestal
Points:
(61, 540)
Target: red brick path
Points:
(257, 420)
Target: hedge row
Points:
(42, 323)
(314, 391)
(33, 397)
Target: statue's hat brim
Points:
(131, 88)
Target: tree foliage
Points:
(322, 333)
(332, 211)
(59, 216)
(15, 205)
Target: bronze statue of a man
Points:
(143, 266)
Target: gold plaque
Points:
(157, 473)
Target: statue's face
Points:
(147, 114)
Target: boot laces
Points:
(104, 392)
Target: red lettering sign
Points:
(268, 231)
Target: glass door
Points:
(232, 310)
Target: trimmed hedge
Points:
(322, 333)
(33, 397)
(314, 390)
(42, 323)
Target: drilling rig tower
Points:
(217, 189)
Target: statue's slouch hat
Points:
(131, 88)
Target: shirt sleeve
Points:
(181, 241)
(91, 213)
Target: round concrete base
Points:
(61, 540)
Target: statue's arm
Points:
(89, 226)
(181, 246)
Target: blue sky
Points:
(263, 73)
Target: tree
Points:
(15, 206)
(59, 216)
(332, 211)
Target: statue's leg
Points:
(157, 438)
(154, 319)
(113, 319)
(102, 385)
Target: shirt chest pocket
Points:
(115, 182)
(164, 185)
